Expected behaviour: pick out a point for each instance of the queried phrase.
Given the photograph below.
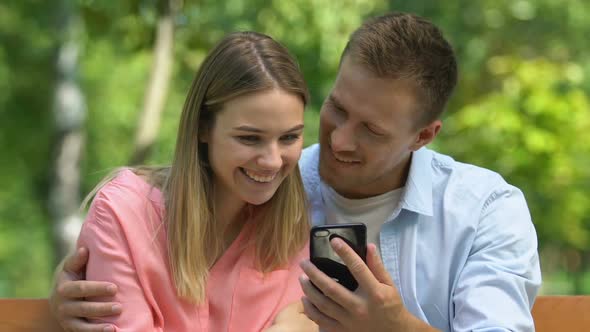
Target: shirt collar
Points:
(417, 196)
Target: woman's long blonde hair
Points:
(241, 63)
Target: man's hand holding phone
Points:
(323, 256)
(374, 306)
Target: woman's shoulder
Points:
(128, 197)
(123, 231)
(132, 188)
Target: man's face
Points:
(368, 132)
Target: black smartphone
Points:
(323, 256)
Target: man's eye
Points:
(372, 131)
(338, 110)
(248, 139)
(332, 107)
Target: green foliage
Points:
(535, 130)
(521, 108)
(26, 79)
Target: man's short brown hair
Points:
(408, 47)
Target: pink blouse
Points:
(127, 244)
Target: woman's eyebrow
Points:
(296, 128)
(258, 130)
(249, 129)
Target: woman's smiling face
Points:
(254, 143)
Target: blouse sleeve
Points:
(110, 259)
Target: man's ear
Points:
(427, 134)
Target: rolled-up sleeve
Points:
(501, 277)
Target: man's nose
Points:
(342, 138)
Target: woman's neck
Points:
(230, 212)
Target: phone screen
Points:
(326, 259)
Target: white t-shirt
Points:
(372, 211)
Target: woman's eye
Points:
(290, 138)
(248, 139)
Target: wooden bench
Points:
(26, 315)
(562, 313)
(551, 314)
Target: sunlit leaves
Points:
(534, 129)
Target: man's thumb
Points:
(76, 262)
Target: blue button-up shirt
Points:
(460, 247)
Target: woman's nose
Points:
(271, 158)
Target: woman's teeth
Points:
(259, 178)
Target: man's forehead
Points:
(373, 99)
(383, 93)
(354, 77)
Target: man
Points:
(458, 246)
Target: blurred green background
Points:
(89, 85)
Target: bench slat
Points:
(562, 313)
(551, 314)
(26, 315)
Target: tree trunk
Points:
(157, 88)
(69, 110)
(579, 276)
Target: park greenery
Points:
(77, 78)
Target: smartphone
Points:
(323, 256)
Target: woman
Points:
(212, 243)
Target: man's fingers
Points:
(84, 288)
(327, 285)
(89, 309)
(326, 323)
(355, 264)
(79, 325)
(76, 262)
(321, 301)
(376, 265)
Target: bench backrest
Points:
(26, 315)
(551, 314)
(562, 313)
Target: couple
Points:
(217, 241)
